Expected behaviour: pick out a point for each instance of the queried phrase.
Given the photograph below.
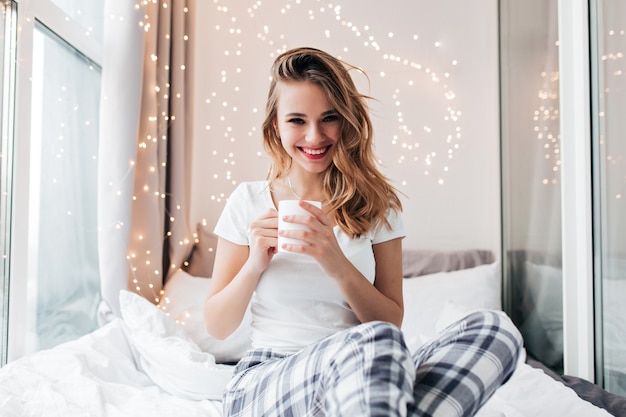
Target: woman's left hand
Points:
(381, 300)
(319, 240)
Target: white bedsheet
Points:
(94, 376)
(98, 375)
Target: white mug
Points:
(287, 208)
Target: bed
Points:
(157, 360)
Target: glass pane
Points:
(89, 14)
(531, 176)
(610, 143)
(63, 217)
(7, 60)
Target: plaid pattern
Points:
(368, 371)
(459, 370)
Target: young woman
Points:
(326, 313)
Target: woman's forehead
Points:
(302, 97)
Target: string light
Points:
(612, 97)
(546, 127)
(267, 20)
(142, 262)
(546, 116)
(232, 114)
(417, 142)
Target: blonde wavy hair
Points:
(359, 196)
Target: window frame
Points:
(576, 189)
(6, 161)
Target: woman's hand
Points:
(380, 301)
(263, 240)
(320, 241)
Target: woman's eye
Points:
(331, 118)
(296, 120)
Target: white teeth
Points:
(314, 151)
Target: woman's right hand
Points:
(263, 240)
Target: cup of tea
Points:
(287, 208)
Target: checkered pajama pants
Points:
(368, 371)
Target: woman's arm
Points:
(230, 291)
(383, 300)
(236, 273)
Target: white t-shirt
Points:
(295, 303)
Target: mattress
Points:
(151, 362)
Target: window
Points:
(63, 186)
(54, 279)
(531, 176)
(608, 43)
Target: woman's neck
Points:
(305, 187)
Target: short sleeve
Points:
(395, 230)
(232, 224)
(246, 203)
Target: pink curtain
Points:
(145, 147)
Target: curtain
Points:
(145, 148)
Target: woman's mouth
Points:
(314, 153)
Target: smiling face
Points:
(308, 126)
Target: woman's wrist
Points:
(251, 271)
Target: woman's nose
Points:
(314, 133)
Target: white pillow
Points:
(433, 301)
(430, 302)
(183, 301)
(165, 353)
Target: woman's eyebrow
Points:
(296, 114)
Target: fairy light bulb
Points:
(232, 120)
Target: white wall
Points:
(433, 70)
